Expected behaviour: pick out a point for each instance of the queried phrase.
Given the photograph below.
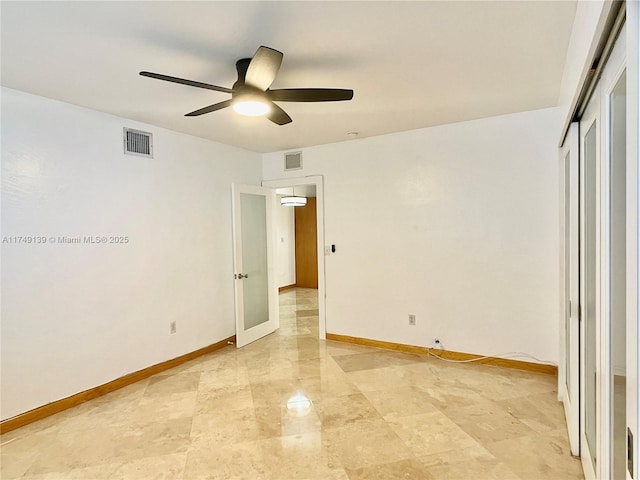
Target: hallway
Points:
(291, 407)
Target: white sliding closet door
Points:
(568, 377)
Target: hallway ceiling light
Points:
(293, 200)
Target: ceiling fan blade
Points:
(310, 95)
(278, 115)
(182, 81)
(263, 68)
(209, 109)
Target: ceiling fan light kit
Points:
(251, 108)
(249, 101)
(251, 94)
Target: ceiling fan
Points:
(250, 94)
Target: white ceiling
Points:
(411, 64)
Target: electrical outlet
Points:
(412, 319)
(172, 327)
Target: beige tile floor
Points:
(244, 414)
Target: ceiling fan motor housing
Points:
(241, 66)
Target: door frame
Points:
(633, 233)
(318, 182)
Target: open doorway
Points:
(300, 244)
(296, 238)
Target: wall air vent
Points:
(293, 161)
(138, 143)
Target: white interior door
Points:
(603, 273)
(568, 378)
(613, 85)
(254, 277)
(590, 387)
(633, 234)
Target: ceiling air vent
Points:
(138, 143)
(293, 161)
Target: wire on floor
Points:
(501, 355)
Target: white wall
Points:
(286, 247)
(76, 316)
(456, 224)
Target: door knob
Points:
(241, 276)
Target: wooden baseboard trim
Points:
(286, 287)
(367, 342)
(74, 400)
(447, 354)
